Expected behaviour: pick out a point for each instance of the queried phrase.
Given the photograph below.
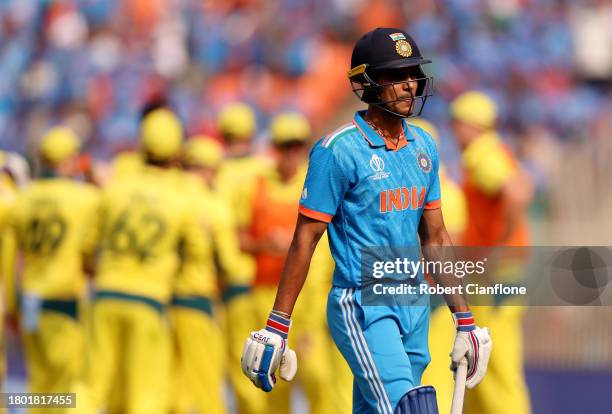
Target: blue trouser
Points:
(385, 347)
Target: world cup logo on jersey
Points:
(376, 163)
(378, 166)
(424, 162)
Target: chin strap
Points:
(396, 114)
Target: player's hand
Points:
(265, 351)
(472, 343)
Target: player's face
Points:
(399, 87)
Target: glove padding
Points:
(475, 346)
(264, 352)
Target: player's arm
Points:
(516, 194)
(266, 350)
(307, 234)
(437, 245)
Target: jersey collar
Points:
(376, 140)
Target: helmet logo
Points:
(397, 36)
(403, 48)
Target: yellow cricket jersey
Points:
(8, 245)
(454, 208)
(52, 218)
(488, 163)
(239, 173)
(146, 218)
(127, 162)
(197, 275)
(226, 245)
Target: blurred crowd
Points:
(93, 64)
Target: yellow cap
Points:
(428, 127)
(474, 108)
(58, 144)
(203, 151)
(289, 126)
(237, 121)
(161, 134)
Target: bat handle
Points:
(460, 376)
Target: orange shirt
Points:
(274, 212)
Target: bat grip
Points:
(460, 376)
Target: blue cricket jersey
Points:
(371, 193)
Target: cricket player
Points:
(357, 189)
(131, 161)
(498, 193)
(145, 218)
(240, 168)
(51, 217)
(200, 352)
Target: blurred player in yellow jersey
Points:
(269, 208)
(200, 354)
(441, 327)
(131, 161)
(241, 166)
(498, 192)
(144, 218)
(51, 217)
(9, 179)
(237, 125)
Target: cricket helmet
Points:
(237, 122)
(289, 127)
(388, 49)
(474, 108)
(59, 144)
(202, 151)
(161, 135)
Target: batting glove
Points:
(265, 351)
(472, 343)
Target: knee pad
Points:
(418, 400)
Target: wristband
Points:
(278, 324)
(464, 321)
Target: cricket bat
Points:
(458, 393)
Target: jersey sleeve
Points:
(325, 186)
(433, 199)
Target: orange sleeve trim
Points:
(313, 214)
(432, 205)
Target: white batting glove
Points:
(472, 343)
(266, 350)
